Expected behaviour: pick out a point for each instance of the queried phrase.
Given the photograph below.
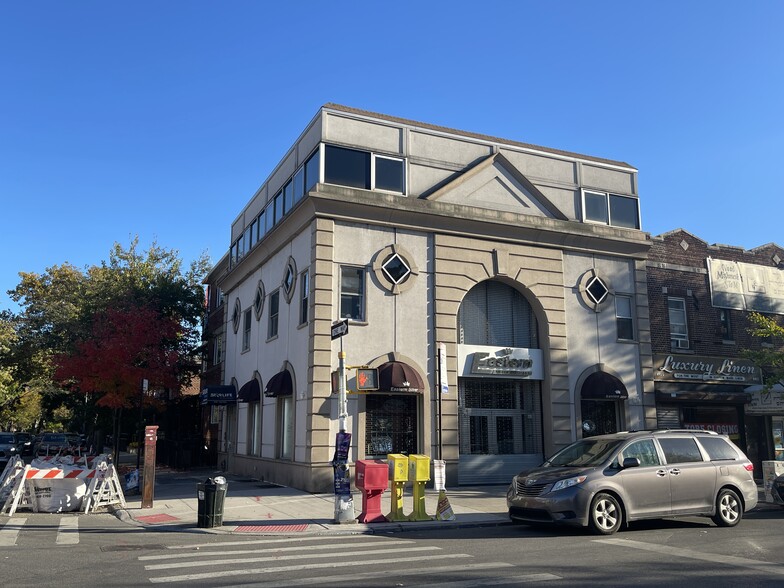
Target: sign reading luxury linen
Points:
(696, 368)
(482, 360)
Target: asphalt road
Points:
(67, 550)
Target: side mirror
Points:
(631, 462)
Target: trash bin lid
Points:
(220, 480)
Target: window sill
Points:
(728, 342)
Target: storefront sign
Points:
(696, 368)
(507, 362)
(745, 286)
(770, 402)
(722, 428)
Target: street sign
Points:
(339, 329)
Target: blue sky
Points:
(161, 119)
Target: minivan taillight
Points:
(748, 466)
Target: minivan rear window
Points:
(718, 448)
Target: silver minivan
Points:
(606, 481)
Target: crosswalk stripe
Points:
(68, 531)
(247, 560)
(297, 568)
(10, 531)
(270, 540)
(203, 554)
(361, 577)
(479, 582)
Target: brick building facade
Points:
(700, 297)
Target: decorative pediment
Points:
(497, 184)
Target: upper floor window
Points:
(361, 169)
(623, 317)
(352, 293)
(274, 307)
(679, 331)
(246, 330)
(611, 209)
(217, 356)
(725, 324)
(304, 299)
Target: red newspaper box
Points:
(372, 479)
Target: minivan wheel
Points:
(729, 509)
(606, 514)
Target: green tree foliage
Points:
(770, 356)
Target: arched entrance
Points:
(601, 396)
(499, 385)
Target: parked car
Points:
(24, 443)
(7, 448)
(78, 445)
(777, 490)
(52, 444)
(606, 481)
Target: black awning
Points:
(250, 391)
(603, 386)
(217, 395)
(396, 376)
(279, 385)
(712, 393)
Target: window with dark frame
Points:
(725, 324)
(274, 307)
(352, 293)
(304, 300)
(679, 332)
(246, 321)
(611, 209)
(347, 167)
(623, 317)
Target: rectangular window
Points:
(623, 317)
(246, 330)
(278, 207)
(288, 197)
(679, 332)
(254, 235)
(241, 247)
(262, 224)
(299, 184)
(680, 450)
(611, 209)
(347, 167)
(272, 325)
(304, 299)
(286, 424)
(389, 174)
(254, 428)
(725, 325)
(269, 212)
(217, 350)
(352, 293)
(312, 170)
(246, 237)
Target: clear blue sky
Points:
(161, 119)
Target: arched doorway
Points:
(600, 404)
(499, 386)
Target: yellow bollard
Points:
(398, 476)
(419, 474)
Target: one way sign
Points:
(339, 329)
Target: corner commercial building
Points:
(524, 265)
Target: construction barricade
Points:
(52, 485)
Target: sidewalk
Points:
(256, 507)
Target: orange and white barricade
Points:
(46, 486)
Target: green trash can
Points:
(212, 495)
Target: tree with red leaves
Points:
(124, 347)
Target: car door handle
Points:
(661, 473)
(675, 471)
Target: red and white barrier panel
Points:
(54, 474)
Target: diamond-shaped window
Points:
(288, 281)
(396, 269)
(597, 290)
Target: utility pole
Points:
(344, 504)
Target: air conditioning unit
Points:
(679, 343)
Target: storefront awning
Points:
(217, 395)
(603, 386)
(713, 393)
(280, 385)
(396, 376)
(250, 391)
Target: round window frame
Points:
(382, 257)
